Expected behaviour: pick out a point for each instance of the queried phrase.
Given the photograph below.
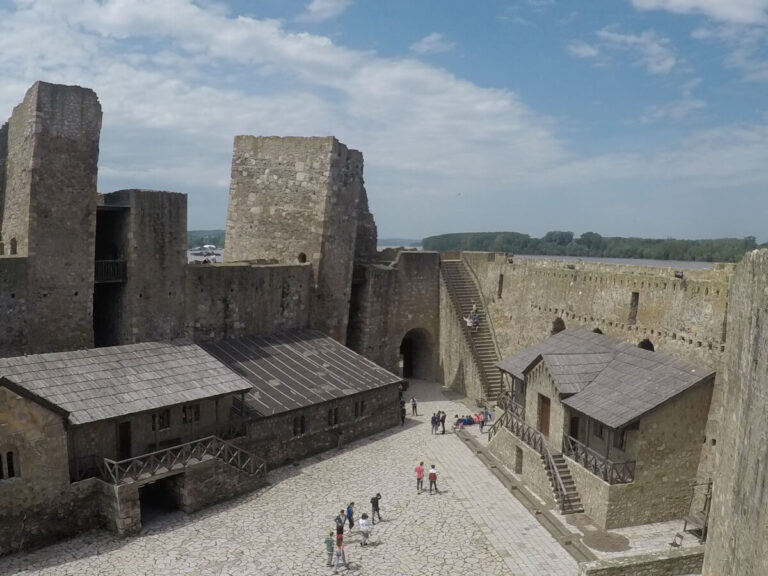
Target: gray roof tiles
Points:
(611, 381)
(111, 382)
(290, 370)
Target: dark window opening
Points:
(13, 246)
(633, 304)
(330, 416)
(161, 420)
(597, 331)
(296, 426)
(620, 440)
(191, 413)
(647, 345)
(302, 258)
(10, 466)
(557, 326)
(501, 286)
(357, 409)
(335, 415)
(302, 424)
(362, 407)
(598, 431)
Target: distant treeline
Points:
(592, 244)
(197, 238)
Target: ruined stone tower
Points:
(50, 149)
(302, 200)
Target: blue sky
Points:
(623, 117)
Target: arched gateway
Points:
(417, 355)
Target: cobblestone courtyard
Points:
(474, 525)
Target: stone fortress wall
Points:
(312, 192)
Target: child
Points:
(365, 529)
(339, 557)
(329, 547)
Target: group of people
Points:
(480, 419)
(437, 420)
(473, 320)
(335, 548)
(431, 476)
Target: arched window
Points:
(13, 246)
(302, 258)
(646, 345)
(9, 464)
(558, 325)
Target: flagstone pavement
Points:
(473, 526)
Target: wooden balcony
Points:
(110, 271)
(597, 464)
(173, 459)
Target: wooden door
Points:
(544, 415)
(123, 440)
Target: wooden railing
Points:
(179, 457)
(525, 432)
(597, 464)
(557, 481)
(501, 422)
(110, 271)
(508, 404)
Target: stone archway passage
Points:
(417, 355)
(647, 345)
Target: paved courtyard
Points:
(473, 526)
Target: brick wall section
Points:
(685, 317)
(292, 196)
(50, 208)
(738, 529)
(229, 300)
(155, 289)
(681, 562)
(393, 300)
(13, 298)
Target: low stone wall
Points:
(211, 482)
(593, 492)
(504, 446)
(680, 562)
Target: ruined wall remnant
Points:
(391, 301)
(229, 300)
(738, 529)
(297, 200)
(49, 212)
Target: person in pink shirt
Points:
(420, 477)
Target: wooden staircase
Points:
(463, 292)
(566, 495)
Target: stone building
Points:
(612, 428)
(93, 437)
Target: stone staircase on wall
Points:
(570, 501)
(463, 292)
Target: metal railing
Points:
(597, 464)
(179, 457)
(110, 271)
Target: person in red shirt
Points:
(420, 477)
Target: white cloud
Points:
(583, 50)
(432, 44)
(736, 11)
(319, 10)
(652, 51)
(677, 109)
(745, 48)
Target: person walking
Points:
(351, 515)
(375, 508)
(339, 557)
(481, 421)
(442, 421)
(419, 477)
(329, 542)
(413, 407)
(433, 479)
(365, 529)
(402, 415)
(340, 521)
(433, 421)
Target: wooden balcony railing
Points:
(110, 271)
(597, 464)
(507, 403)
(175, 458)
(519, 428)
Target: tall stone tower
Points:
(738, 533)
(295, 200)
(49, 210)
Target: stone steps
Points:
(570, 502)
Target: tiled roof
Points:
(611, 381)
(105, 383)
(289, 370)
